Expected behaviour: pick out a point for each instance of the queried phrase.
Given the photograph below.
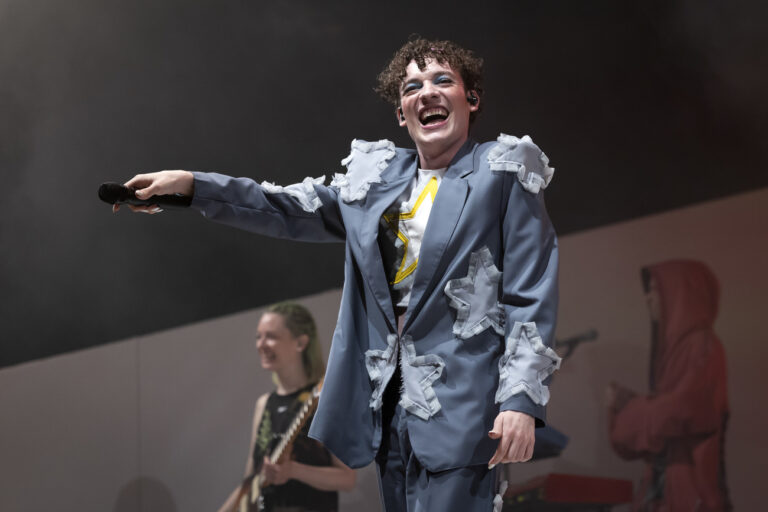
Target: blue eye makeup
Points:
(438, 80)
(411, 87)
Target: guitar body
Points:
(249, 498)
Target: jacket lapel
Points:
(445, 215)
(380, 197)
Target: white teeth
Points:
(433, 112)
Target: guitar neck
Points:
(301, 418)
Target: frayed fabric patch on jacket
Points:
(525, 364)
(475, 297)
(498, 500)
(365, 163)
(303, 192)
(523, 157)
(419, 373)
(381, 366)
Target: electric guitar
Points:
(249, 499)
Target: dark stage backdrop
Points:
(641, 107)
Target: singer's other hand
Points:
(157, 184)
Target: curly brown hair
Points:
(419, 50)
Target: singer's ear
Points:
(400, 116)
(474, 100)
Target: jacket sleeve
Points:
(306, 211)
(691, 408)
(529, 287)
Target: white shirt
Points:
(401, 231)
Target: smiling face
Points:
(278, 348)
(435, 109)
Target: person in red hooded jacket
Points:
(679, 427)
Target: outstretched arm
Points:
(306, 211)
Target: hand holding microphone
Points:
(148, 193)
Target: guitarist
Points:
(307, 477)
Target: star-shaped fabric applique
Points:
(525, 364)
(409, 229)
(419, 372)
(475, 297)
(365, 163)
(303, 192)
(381, 366)
(523, 157)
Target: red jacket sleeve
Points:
(689, 405)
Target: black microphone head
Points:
(112, 193)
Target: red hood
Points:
(688, 295)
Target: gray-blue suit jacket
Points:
(482, 311)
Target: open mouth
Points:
(432, 116)
(267, 357)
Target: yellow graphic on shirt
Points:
(398, 223)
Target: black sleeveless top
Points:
(279, 412)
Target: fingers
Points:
(520, 450)
(277, 473)
(516, 431)
(151, 209)
(528, 455)
(498, 425)
(268, 470)
(143, 183)
(500, 430)
(151, 184)
(161, 183)
(517, 449)
(140, 183)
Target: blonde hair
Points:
(299, 321)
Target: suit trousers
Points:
(406, 486)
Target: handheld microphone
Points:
(115, 193)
